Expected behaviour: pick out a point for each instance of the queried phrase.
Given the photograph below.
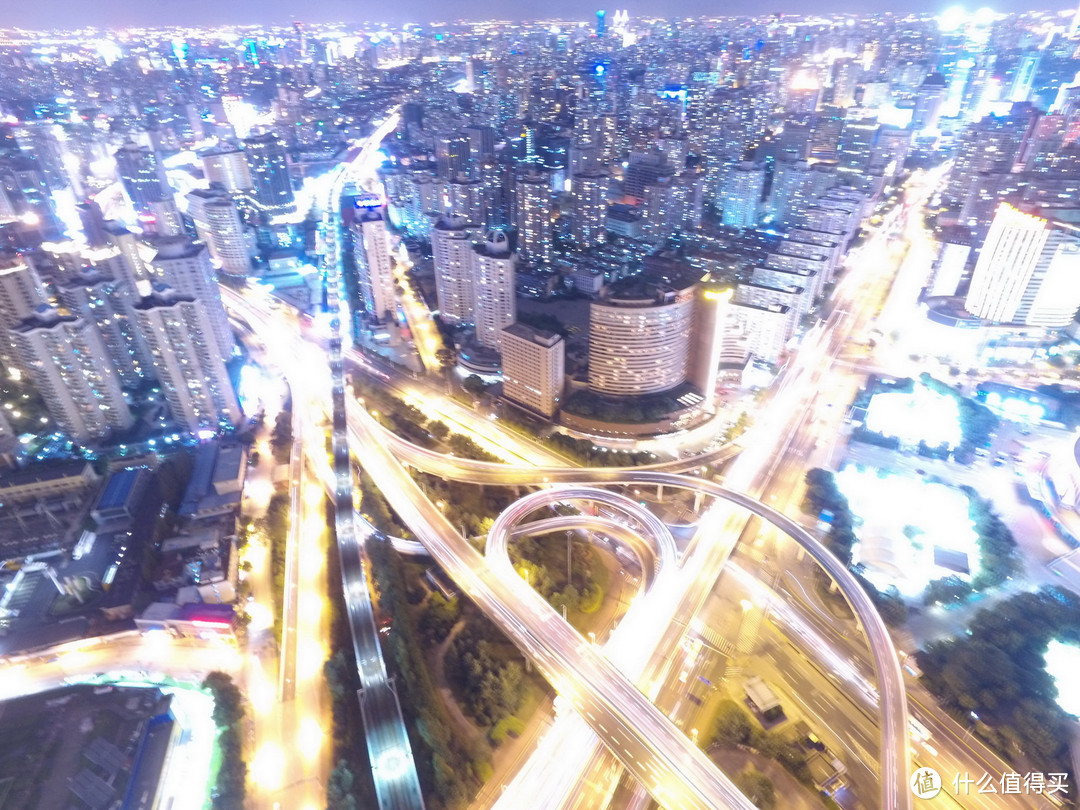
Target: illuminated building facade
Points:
(533, 368)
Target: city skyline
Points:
(120, 14)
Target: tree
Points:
(339, 788)
(732, 724)
(757, 787)
(474, 385)
(447, 358)
(438, 430)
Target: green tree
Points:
(757, 787)
(732, 725)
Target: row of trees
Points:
(275, 528)
(998, 671)
(281, 437)
(823, 496)
(442, 760)
(228, 716)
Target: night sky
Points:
(120, 13)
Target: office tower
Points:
(102, 301)
(217, 221)
(481, 142)
(845, 78)
(608, 137)
(740, 196)
(857, 140)
(452, 155)
(162, 219)
(929, 99)
(706, 348)
(26, 198)
(268, 164)
(494, 282)
(641, 174)
(601, 22)
(533, 368)
(143, 177)
(640, 333)
(93, 224)
(951, 261)
(451, 250)
(1024, 76)
(1027, 271)
(67, 363)
(226, 166)
(21, 293)
(188, 362)
(992, 145)
(590, 191)
(185, 266)
(533, 191)
(374, 271)
(761, 330)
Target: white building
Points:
(640, 336)
(187, 360)
(374, 270)
(533, 368)
(1028, 271)
(227, 167)
(69, 366)
(494, 272)
(949, 266)
(218, 224)
(740, 196)
(185, 266)
(21, 293)
(452, 255)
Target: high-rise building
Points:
(226, 166)
(535, 241)
(452, 155)
(374, 271)
(494, 274)
(640, 333)
(951, 262)
(143, 176)
(217, 221)
(590, 191)
(268, 165)
(1027, 272)
(929, 99)
(533, 368)
(67, 363)
(21, 293)
(468, 199)
(102, 301)
(451, 250)
(185, 266)
(601, 22)
(740, 197)
(187, 360)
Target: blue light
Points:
(599, 70)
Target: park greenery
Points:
(228, 717)
(274, 526)
(733, 726)
(994, 678)
(482, 668)
(543, 561)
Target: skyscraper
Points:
(66, 361)
(534, 217)
(494, 268)
(143, 177)
(740, 196)
(187, 360)
(601, 22)
(268, 164)
(226, 166)
(1027, 272)
(21, 293)
(101, 300)
(217, 221)
(374, 272)
(451, 249)
(590, 191)
(185, 266)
